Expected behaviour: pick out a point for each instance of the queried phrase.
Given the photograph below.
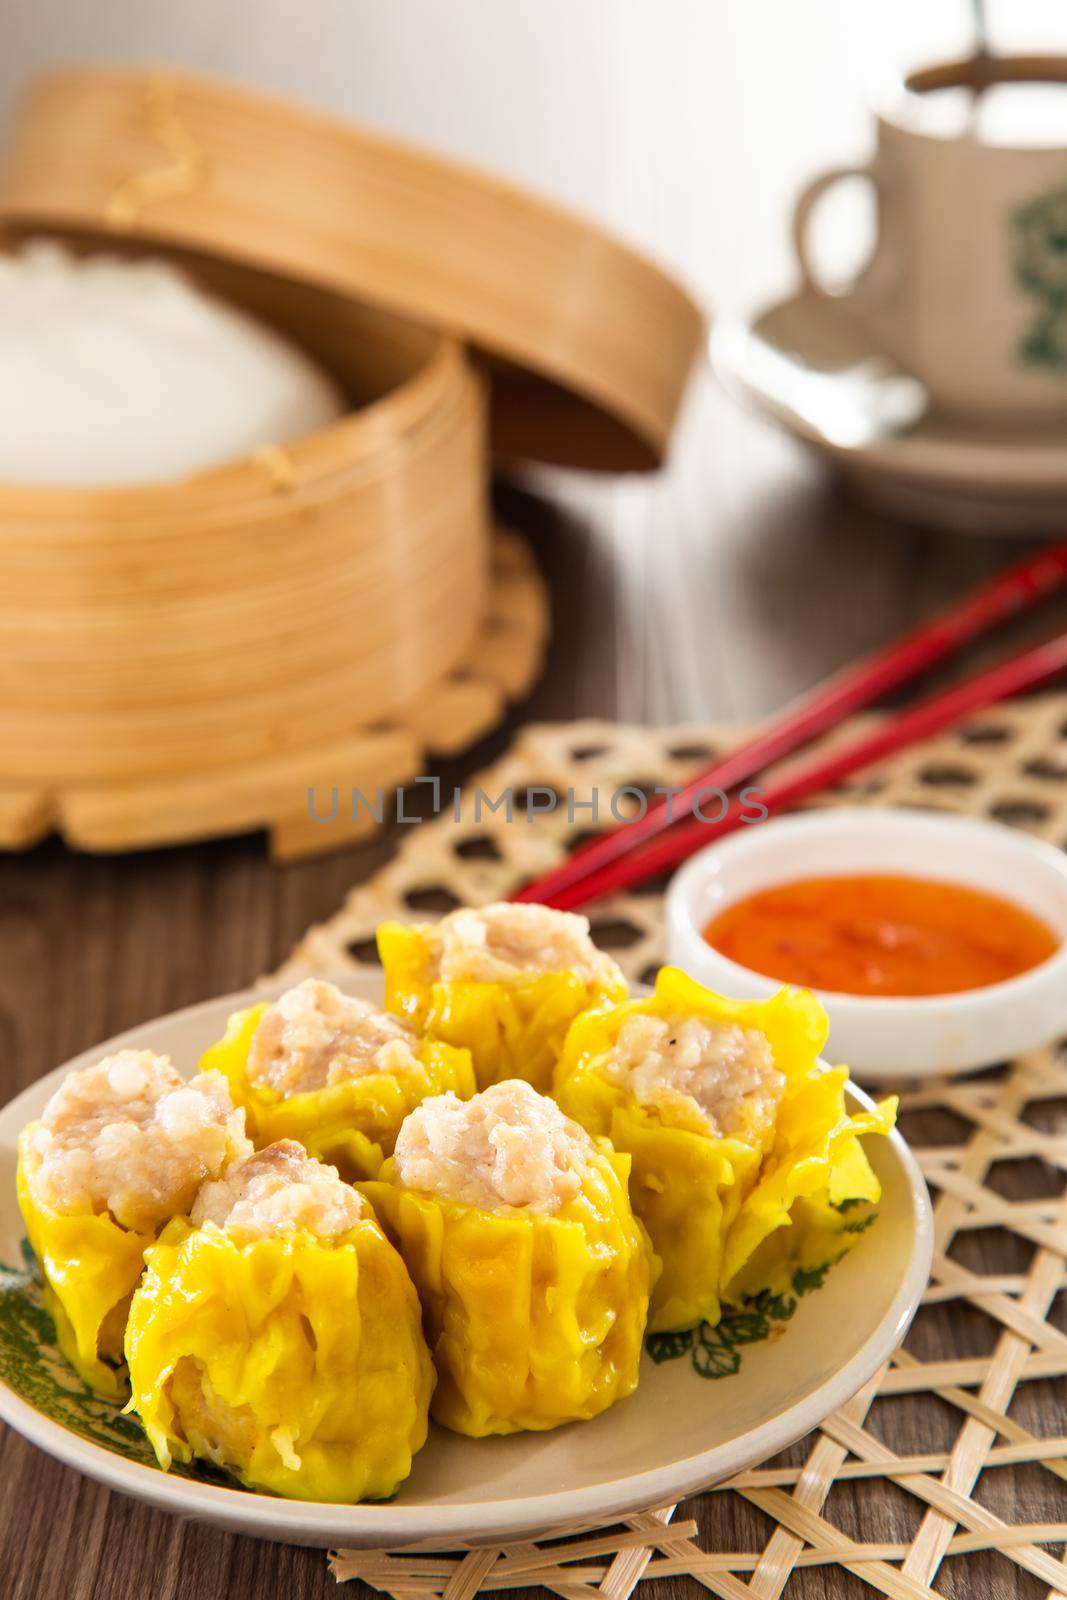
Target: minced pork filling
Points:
(277, 1191)
(507, 1147)
(132, 1137)
(314, 1036)
(499, 943)
(717, 1072)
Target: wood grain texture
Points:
(710, 593)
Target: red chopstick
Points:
(1029, 670)
(1010, 593)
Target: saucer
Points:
(810, 363)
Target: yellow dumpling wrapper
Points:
(709, 1202)
(533, 1320)
(814, 1193)
(512, 1030)
(350, 1125)
(298, 1364)
(90, 1266)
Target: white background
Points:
(606, 104)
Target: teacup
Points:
(966, 288)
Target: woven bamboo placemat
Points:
(946, 1475)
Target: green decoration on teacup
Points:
(1040, 233)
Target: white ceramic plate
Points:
(709, 1405)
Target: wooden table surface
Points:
(715, 590)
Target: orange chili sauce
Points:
(881, 935)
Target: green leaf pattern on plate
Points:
(716, 1352)
(31, 1365)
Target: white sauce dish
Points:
(882, 1039)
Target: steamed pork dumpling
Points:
(315, 1037)
(509, 1147)
(333, 1072)
(278, 1335)
(505, 981)
(533, 1273)
(278, 1191)
(130, 1136)
(502, 943)
(743, 1150)
(714, 1076)
(120, 1149)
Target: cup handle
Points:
(808, 200)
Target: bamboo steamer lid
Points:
(588, 344)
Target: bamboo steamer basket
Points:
(588, 344)
(186, 658)
(268, 605)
